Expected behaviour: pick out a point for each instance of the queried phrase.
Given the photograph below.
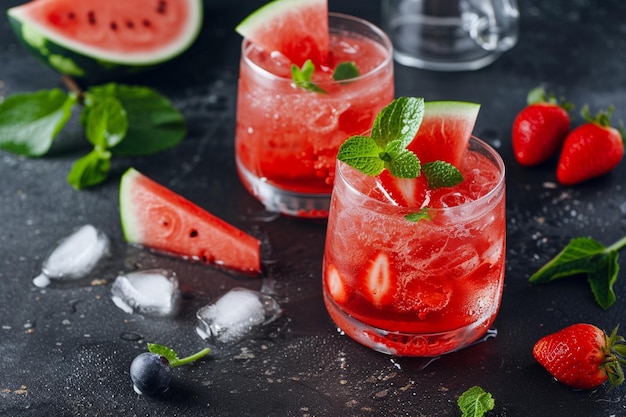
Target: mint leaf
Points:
(172, 357)
(400, 120)
(106, 123)
(400, 162)
(302, 77)
(475, 402)
(345, 71)
(90, 170)
(418, 215)
(441, 174)
(362, 153)
(154, 124)
(603, 278)
(29, 122)
(585, 255)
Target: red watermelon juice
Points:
(421, 288)
(287, 137)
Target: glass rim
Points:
(386, 43)
(493, 155)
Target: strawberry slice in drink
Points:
(404, 192)
(335, 284)
(378, 283)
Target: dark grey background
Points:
(66, 352)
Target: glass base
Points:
(407, 344)
(435, 65)
(283, 201)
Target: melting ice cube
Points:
(150, 291)
(74, 257)
(235, 315)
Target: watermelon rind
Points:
(75, 59)
(291, 27)
(156, 217)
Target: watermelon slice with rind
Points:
(445, 131)
(296, 28)
(156, 217)
(103, 39)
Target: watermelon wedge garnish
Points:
(156, 217)
(296, 28)
(445, 131)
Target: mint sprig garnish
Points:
(172, 357)
(393, 130)
(302, 77)
(117, 119)
(475, 402)
(586, 256)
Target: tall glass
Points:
(420, 288)
(287, 137)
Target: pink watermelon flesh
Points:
(296, 28)
(445, 131)
(156, 217)
(117, 30)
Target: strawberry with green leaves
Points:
(592, 149)
(582, 356)
(540, 128)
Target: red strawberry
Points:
(591, 150)
(406, 192)
(335, 284)
(379, 283)
(540, 128)
(582, 356)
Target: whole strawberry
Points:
(540, 128)
(582, 356)
(591, 150)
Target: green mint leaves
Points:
(585, 255)
(302, 77)
(394, 128)
(29, 122)
(345, 71)
(172, 357)
(475, 402)
(118, 120)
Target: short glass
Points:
(286, 137)
(420, 288)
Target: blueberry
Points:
(150, 373)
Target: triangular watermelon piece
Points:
(445, 131)
(156, 217)
(296, 28)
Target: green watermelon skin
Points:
(156, 217)
(89, 67)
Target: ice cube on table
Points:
(236, 315)
(149, 291)
(75, 256)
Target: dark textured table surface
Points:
(66, 352)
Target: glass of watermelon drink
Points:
(417, 288)
(287, 137)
